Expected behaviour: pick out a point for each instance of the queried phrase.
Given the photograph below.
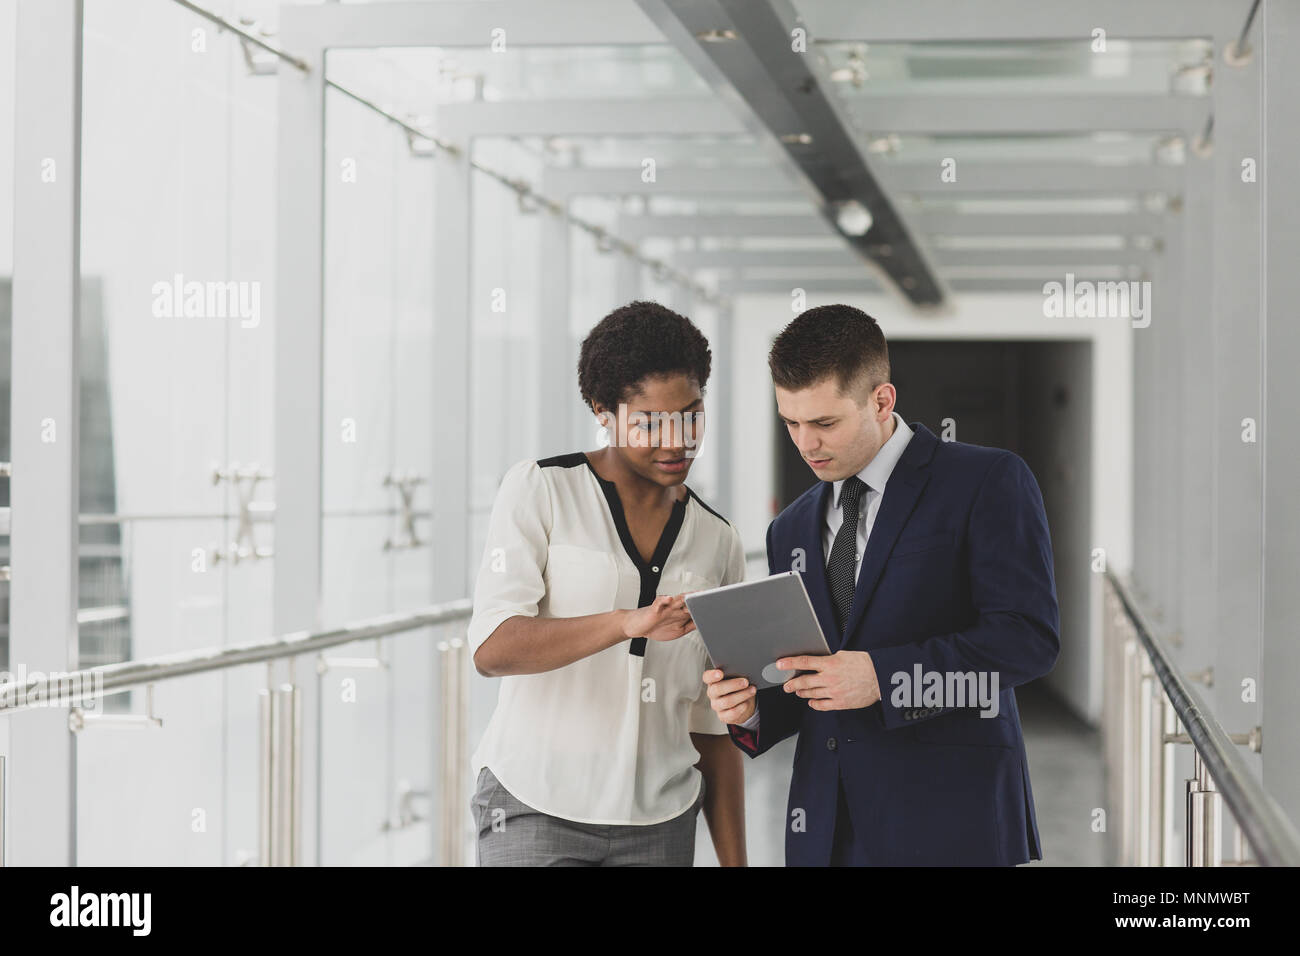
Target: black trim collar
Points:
(651, 570)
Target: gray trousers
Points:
(511, 833)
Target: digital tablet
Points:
(747, 627)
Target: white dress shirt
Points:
(875, 475)
(605, 739)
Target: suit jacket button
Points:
(830, 743)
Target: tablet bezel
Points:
(729, 646)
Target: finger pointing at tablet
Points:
(665, 619)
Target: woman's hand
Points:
(666, 619)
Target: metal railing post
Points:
(445, 785)
(1155, 745)
(267, 779)
(1128, 769)
(288, 776)
(1195, 816)
(1113, 713)
(1144, 760)
(4, 819)
(1241, 855)
(1202, 817)
(460, 722)
(1169, 722)
(1210, 841)
(453, 785)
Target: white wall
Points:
(1058, 446)
(8, 12)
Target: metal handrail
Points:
(95, 682)
(247, 36)
(1271, 834)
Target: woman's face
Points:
(658, 428)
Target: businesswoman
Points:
(603, 747)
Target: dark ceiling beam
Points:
(745, 51)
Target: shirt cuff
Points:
(747, 739)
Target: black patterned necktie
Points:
(842, 566)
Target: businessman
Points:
(929, 566)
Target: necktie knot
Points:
(851, 493)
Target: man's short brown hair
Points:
(826, 341)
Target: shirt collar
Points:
(877, 471)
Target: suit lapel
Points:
(902, 491)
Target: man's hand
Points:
(846, 680)
(732, 700)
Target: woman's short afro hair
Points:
(637, 341)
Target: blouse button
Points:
(655, 569)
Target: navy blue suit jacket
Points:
(957, 577)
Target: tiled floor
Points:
(1065, 769)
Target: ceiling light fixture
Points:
(852, 218)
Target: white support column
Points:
(557, 356)
(628, 286)
(721, 405)
(680, 299)
(453, 564)
(45, 410)
(1197, 368)
(1278, 38)
(1157, 460)
(1237, 568)
(1157, 436)
(1146, 423)
(299, 367)
(627, 279)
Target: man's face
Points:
(834, 434)
(660, 431)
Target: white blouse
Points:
(605, 739)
